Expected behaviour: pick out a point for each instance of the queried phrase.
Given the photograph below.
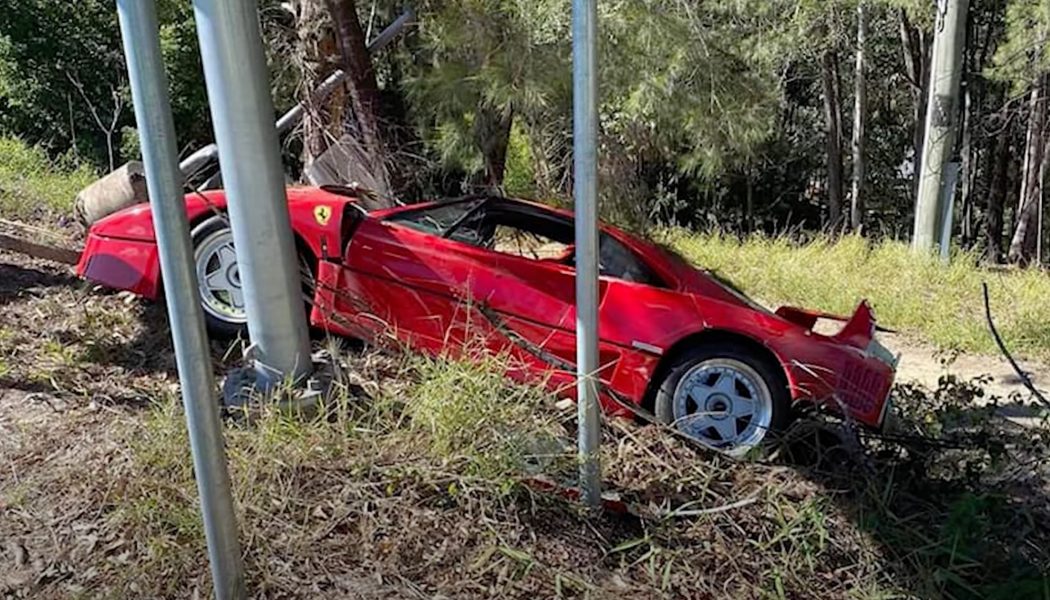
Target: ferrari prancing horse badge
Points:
(322, 214)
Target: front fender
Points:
(136, 222)
(315, 215)
(317, 219)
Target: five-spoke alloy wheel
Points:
(724, 396)
(219, 279)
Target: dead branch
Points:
(118, 108)
(34, 249)
(1002, 348)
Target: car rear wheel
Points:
(219, 281)
(725, 397)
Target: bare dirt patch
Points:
(925, 364)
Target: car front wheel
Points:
(725, 397)
(219, 279)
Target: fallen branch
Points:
(44, 251)
(681, 512)
(1002, 347)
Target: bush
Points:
(33, 186)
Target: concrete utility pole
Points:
(242, 113)
(941, 116)
(149, 90)
(585, 164)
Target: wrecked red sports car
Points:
(497, 274)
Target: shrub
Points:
(33, 185)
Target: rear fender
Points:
(722, 333)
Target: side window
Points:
(526, 233)
(529, 244)
(617, 260)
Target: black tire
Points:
(220, 323)
(729, 357)
(206, 235)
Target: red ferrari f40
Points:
(498, 274)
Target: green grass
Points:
(917, 295)
(31, 183)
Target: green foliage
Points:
(1024, 53)
(469, 411)
(484, 58)
(520, 178)
(130, 147)
(681, 85)
(49, 48)
(33, 185)
(703, 105)
(684, 81)
(915, 294)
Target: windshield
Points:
(439, 219)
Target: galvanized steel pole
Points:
(149, 90)
(242, 113)
(209, 153)
(585, 164)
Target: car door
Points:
(402, 281)
(423, 278)
(530, 285)
(470, 289)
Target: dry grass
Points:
(36, 188)
(386, 498)
(415, 486)
(941, 304)
(383, 502)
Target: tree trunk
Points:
(967, 167)
(997, 191)
(860, 117)
(916, 46)
(975, 124)
(833, 131)
(322, 122)
(109, 150)
(364, 90)
(492, 135)
(1023, 243)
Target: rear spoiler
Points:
(858, 327)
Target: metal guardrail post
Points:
(242, 112)
(585, 161)
(149, 90)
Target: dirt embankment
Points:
(95, 500)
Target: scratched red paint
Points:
(382, 280)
